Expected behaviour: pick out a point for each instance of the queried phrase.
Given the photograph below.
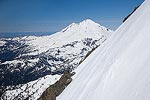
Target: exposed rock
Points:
(130, 14)
(56, 89)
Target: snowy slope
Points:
(32, 58)
(120, 68)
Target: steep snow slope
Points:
(23, 61)
(120, 68)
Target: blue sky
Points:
(53, 15)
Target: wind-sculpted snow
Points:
(120, 68)
(29, 58)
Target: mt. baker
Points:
(27, 59)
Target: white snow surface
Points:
(120, 68)
(2, 43)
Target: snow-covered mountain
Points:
(120, 68)
(28, 65)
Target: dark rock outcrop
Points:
(130, 13)
(56, 89)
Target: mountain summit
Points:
(85, 27)
(120, 69)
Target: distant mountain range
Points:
(21, 34)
